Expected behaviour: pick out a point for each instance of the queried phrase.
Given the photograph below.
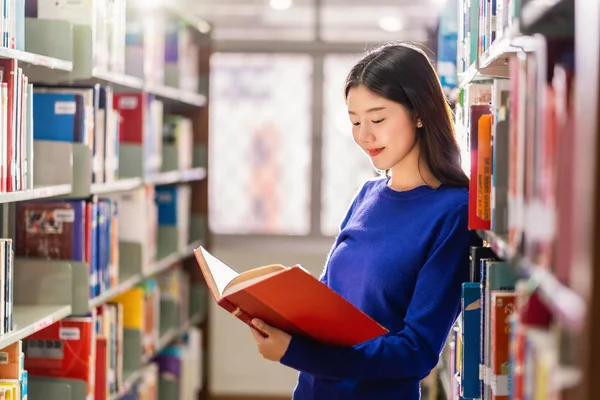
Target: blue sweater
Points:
(400, 257)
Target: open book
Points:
(288, 298)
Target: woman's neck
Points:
(412, 171)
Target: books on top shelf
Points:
(481, 23)
(105, 20)
(16, 146)
(258, 292)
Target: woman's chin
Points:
(381, 166)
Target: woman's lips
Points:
(375, 152)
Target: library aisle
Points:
(103, 175)
(105, 181)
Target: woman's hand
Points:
(273, 347)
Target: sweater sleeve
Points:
(414, 351)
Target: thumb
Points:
(261, 325)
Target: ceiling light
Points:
(390, 24)
(281, 4)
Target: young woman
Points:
(402, 251)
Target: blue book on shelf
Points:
(58, 117)
(471, 319)
(166, 202)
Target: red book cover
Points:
(132, 108)
(62, 350)
(288, 298)
(8, 75)
(475, 222)
(101, 369)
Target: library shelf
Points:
(122, 82)
(498, 243)
(115, 291)
(32, 318)
(36, 59)
(41, 192)
(567, 306)
(129, 282)
(167, 93)
(163, 264)
(160, 179)
(164, 178)
(173, 334)
(131, 377)
(194, 174)
(121, 185)
(468, 76)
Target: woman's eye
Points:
(378, 121)
(356, 123)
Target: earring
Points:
(419, 124)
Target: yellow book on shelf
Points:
(484, 166)
(12, 390)
(133, 308)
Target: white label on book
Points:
(69, 333)
(128, 103)
(3, 358)
(64, 215)
(65, 107)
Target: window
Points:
(345, 167)
(260, 144)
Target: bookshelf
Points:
(532, 66)
(103, 191)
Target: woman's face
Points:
(385, 130)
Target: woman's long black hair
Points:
(402, 73)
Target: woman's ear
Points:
(419, 122)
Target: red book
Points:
(132, 108)
(288, 298)
(62, 350)
(100, 383)
(8, 75)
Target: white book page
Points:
(221, 273)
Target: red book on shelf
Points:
(62, 350)
(9, 75)
(132, 109)
(288, 298)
